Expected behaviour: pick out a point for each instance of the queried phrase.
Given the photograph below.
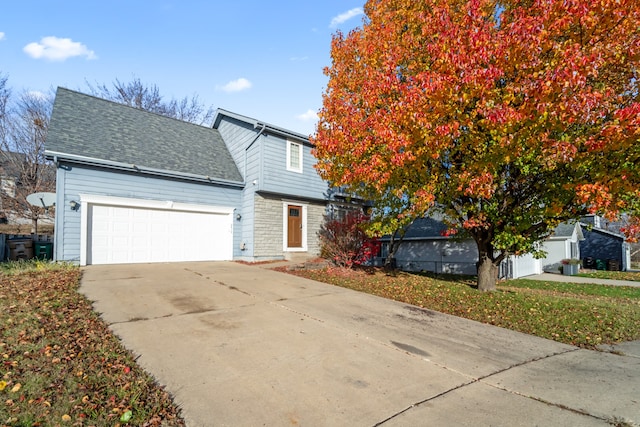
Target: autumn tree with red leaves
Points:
(506, 117)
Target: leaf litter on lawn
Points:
(575, 314)
(61, 364)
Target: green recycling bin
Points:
(43, 250)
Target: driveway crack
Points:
(484, 377)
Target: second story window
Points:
(294, 156)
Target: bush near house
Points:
(344, 241)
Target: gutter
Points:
(91, 161)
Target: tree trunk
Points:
(390, 260)
(487, 275)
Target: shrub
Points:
(345, 242)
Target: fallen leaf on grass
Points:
(126, 416)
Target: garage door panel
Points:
(120, 234)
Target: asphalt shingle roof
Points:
(426, 228)
(564, 229)
(83, 125)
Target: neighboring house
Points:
(604, 248)
(134, 186)
(563, 243)
(425, 247)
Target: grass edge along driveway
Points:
(59, 362)
(584, 315)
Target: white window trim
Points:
(300, 157)
(93, 199)
(285, 226)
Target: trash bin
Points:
(20, 249)
(613, 265)
(601, 264)
(43, 250)
(589, 262)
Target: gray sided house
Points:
(134, 186)
(605, 249)
(604, 244)
(425, 247)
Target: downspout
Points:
(246, 150)
(58, 218)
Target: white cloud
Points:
(343, 17)
(2, 35)
(36, 94)
(236, 85)
(310, 115)
(57, 49)
(298, 58)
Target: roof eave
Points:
(90, 161)
(259, 125)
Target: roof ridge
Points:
(77, 92)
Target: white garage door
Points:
(124, 234)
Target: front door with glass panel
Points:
(294, 226)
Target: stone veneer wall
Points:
(315, 218)
(268, 236)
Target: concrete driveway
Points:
(242, 345)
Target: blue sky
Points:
(257, 58)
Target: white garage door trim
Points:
(88, 200)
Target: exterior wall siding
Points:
(604, 247)
(277, 179)
(262, 163)
(438, 256)
(237, 135)
(74, 180)
(556, 250)
(452, 257)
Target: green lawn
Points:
(62, 366)
(577, 314)
(614, 275)
(60, 363)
